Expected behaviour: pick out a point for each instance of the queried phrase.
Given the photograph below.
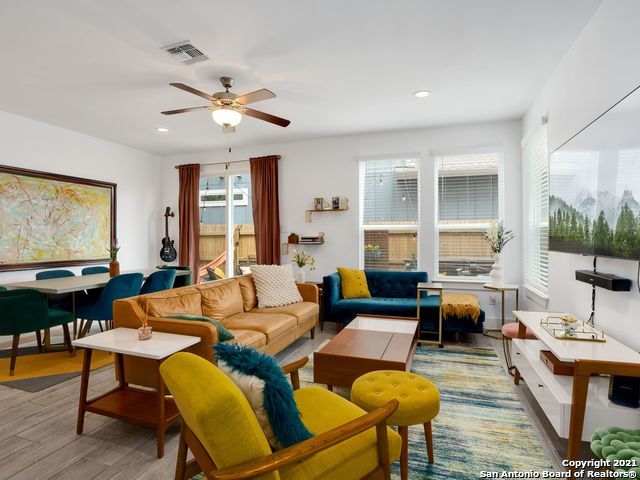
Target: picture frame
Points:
(318, 203)
(56, 220)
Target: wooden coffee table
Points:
(368, 343)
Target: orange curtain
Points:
(188, 211)
(266, 209)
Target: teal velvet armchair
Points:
(26, 311)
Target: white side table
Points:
(134, 405)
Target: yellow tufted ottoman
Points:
(419, 403)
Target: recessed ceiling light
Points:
(422, 93)
(162, 129)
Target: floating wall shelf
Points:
(309, 212)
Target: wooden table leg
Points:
(75, 319)
(84, 388)
(161, 413)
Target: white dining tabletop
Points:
(77, 283)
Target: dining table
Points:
(53, 286)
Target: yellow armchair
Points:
(222, 432)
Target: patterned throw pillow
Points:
(269, 393)
(223, 333)
(275, 286)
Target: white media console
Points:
(554, 392)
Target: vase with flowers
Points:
(302, 259)
(497, 237)
(114, 266)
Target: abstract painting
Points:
(51, 220)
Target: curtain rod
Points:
(218, 163)
(226, 163)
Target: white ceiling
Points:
(337, 66)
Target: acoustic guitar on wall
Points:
(168, 252)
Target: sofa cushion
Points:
(270, 324)
(305, 312)
(223, 333)
(222, 299)
(179, 301)
(275, 285)
(248, 289)
(323, 410)
(251, 338)
(403, 307)
(353, 283)
(390, 284)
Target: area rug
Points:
(481, 425)
(37, 371)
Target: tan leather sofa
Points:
(233, 302)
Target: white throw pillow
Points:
(275, 286)
(253, 389)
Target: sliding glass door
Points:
(227, 241)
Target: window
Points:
(535, 187)
(389, 214)
(468, 193)
(227, 241)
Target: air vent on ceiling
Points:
(185, 52)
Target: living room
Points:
(404, 181)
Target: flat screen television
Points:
(594, 186)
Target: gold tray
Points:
(581, 332)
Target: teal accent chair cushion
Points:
(614, 443)
(223, 333)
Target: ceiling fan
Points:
(227, 108)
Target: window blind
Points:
(536, 211)
(389, 213)
(468, 193)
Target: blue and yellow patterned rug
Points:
(481, 425)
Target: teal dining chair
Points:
(25, 311)
(61, 301)
(91, 296)
(94, 270)
(121, 286)
(158, 281)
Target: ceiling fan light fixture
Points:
(227, 117)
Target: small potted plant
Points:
(114, 266)
(302, 259)
(497, 237)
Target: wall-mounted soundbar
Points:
(604, 280)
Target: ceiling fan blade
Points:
(183, 110)
(282, 122)
(189, 89)
(257, 96)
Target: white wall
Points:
(39, 146)
(329, 167)
(600, 68)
